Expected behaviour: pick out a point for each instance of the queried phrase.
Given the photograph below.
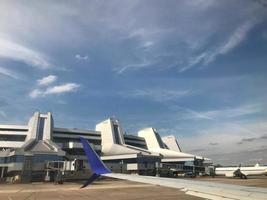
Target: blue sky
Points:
(195, 69)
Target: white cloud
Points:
(159, 95)
(47, 80)
(68, 87)
(189, 114)
(9, 73)
(59, 89)
(79, 57)
(231, 128)
(234, 112)
(229, 136)
(195, 60)
(235, 39)
(36, 93)
(219, 114)
(147, 44)
(14, 51)
(183, 36)
(135, 66)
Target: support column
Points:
(2, 172)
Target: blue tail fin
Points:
(96, 164)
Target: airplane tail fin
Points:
(95, 163)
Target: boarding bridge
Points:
(68, 170)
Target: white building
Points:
(171, 143)
(171, 153)
(24, 150)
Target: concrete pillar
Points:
(2, 172)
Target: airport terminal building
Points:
(34, 151)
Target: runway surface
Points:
(119, 189)
(100, 190)
(252, 181)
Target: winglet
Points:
(96, 164)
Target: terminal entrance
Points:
(3, 172)
(26, 174)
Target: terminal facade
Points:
(35, 151)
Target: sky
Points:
(195, 69)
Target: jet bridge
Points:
(60, 171)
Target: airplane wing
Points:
(207, 190)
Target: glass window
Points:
(41, 128)
(116, 134)
(5, 137)
(45, 157)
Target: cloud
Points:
(79, 57)
(14, 51)
(36, 93)
(210, 55)
(244, 157)
(158, 95)
(187, 45)
(263, 137)
(195, 60)
(197, 150)
(47, 80)
(228, 135)
(9, 73)
(219, 114)
(186, 113)
(242, 110)
(175, 30)
(248, 139)
(213, 143)
(68, 87)
(147, 44)
(236, 38)
(135, 66)
(251, 139)
(233, 41)
(218, 131)
(59, 89)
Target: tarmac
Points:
(113, 189)
(99, 190)
(253, 181)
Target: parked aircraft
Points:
(241, 172)
(204, 189)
